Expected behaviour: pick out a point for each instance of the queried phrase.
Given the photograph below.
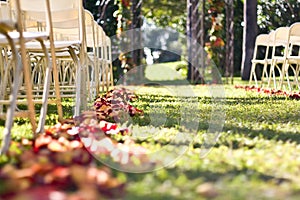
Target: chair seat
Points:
(28, 36)
(62, 53)
(293, 59)
(279, 60)
(59, 45)
(258, 61)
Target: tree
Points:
(249, 35)
(170, 13)
(103, 14)
(273, 14)
(214, 45)
(166, 13)
(229, 63)
(136, 23)
(195, 40)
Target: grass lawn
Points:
(256, 156)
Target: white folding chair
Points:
(106, 59)
(91, 38)
(102, 54)
(110, 78)
(263, 41)
(64, 16)
(36, 17)
(71, 27)
(280, 41)
(293, 56)
(16, 41)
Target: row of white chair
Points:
(12, 70)
(100, 55)
(281, 55)
(58, 65)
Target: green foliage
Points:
(215, 46)
(166, 13)
(276, 13)
(271, 14)
(103, 13)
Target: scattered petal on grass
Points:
(73, 131)
(59, 157)
(273, 92)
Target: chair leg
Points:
(252, 74)
(281, 76)
(56, 88)
(288, 80)
(103, 75)
(111, 74)
(107, 75)
(46, 88)
(29, 94)
(264, 74)
(78, 81)
(97, 77)
(272, 74)
(13, 103)
(5, 80)
(284, 73)
(297, 75)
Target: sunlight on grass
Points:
(165, 71)
(19, 131)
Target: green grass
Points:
(176, 71)
(22, 128)
(166, 71)
(257, 154)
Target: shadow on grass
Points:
(253, 100)
(268, 134)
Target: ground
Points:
(256, 154)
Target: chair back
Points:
(280, 39)
(65, 17)
(295, 29)
(261, 40)
(5, 14)
(281, 36)
(101, 42)
(295, 34)
(90, 29)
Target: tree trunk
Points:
(189, 37)
(195, 40)
(229, 41)
(136, 36)
(249, 35)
